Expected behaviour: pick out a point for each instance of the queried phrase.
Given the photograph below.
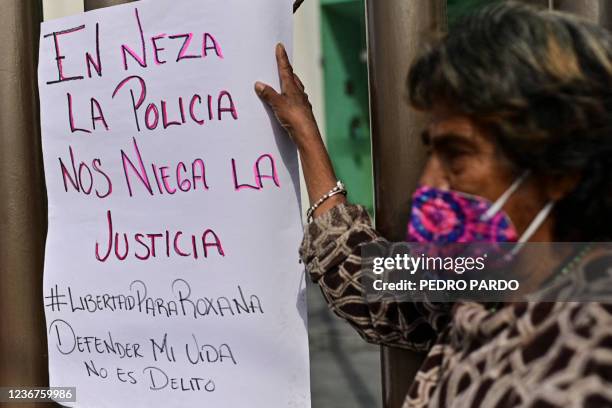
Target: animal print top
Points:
(522, 355)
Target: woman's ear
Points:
(558, 187)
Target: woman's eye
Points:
(455, 160)
(454, 154)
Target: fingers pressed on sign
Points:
(285, 70)
(267, 93)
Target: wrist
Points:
(306, 136)
(327, 200)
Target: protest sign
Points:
(171, 270)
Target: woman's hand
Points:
(294, 113)
(291, 106)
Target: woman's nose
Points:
(434, 175)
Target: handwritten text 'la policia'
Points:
(87, 175)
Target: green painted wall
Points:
(346, 96)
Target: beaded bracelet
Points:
(338, 189)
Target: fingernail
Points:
(259, 87)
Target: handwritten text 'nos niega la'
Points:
(141, 177)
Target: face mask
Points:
(445, 217)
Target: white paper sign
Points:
(171, 274)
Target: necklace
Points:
(575, 261)
(562, 271)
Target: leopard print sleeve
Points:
(331, 251)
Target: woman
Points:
(521, 107)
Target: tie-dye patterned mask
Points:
(446, 216)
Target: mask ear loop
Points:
(533, 227)
(501, 201)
